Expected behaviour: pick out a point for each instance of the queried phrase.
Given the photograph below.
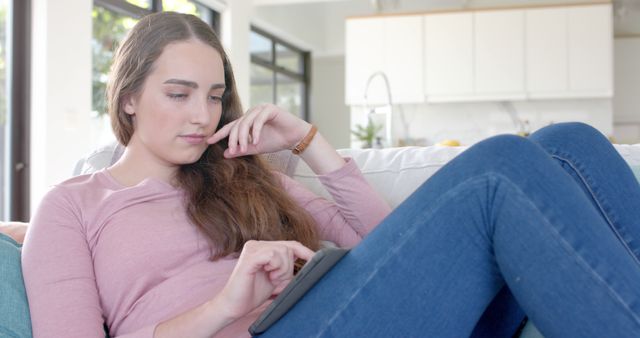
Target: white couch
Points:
(394, 172)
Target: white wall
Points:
(328, 110)
(294, 25)
(235, 38)
(626, 101)
(61, 91)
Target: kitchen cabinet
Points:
(590, 51)
(569, 52)
(392, 45)
(499, 54)
(363, 55)
(474, 56)
(448, 56)
(546, 52)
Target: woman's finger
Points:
(299, 250)
(233, 136)
(259, 123)
(244, 128)
(221, 133)
(285, 260)
(251, 150)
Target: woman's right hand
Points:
(263, 269)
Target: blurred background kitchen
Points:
(369, 73)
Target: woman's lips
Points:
(193, 139)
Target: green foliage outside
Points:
(141, 3)
(109, 29)
(180, 6)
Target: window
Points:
(192, 7)
(109, 27)
(146, 4)
(279, 73)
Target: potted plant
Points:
(368, 133)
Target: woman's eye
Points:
(215, 99)
(176, 96)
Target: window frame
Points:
(17, 204)
(304, 77)
(125, 8)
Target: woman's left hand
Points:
(263, 129)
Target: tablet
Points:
(310, 273)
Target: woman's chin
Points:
(189, 158)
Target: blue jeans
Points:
(501, 213)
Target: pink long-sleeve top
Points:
(98, 252)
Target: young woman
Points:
(190, 235)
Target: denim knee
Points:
(494, 152)
(567, 135)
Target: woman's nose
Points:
(200, 113)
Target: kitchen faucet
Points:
(372, 110)
(389, 115)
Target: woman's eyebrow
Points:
(192, 84)
(182, 82)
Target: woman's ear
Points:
(128, 104)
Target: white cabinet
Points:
(392, 45)
(474, 56)
(590, 51)
(363, 56)
(403, 58)
(569, 52)
(506, 54)
(499, 54)
(448, 56)
(546, 52)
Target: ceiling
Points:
(626, 12)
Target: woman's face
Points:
(179, 105)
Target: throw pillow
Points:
(15, 320)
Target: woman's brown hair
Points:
(230, 200)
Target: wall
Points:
(61, 122)
(328, 110)
(626, 101)
(294, 25)
(235, 39)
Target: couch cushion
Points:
(631, 154)
(394, 172)
(14, 308)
